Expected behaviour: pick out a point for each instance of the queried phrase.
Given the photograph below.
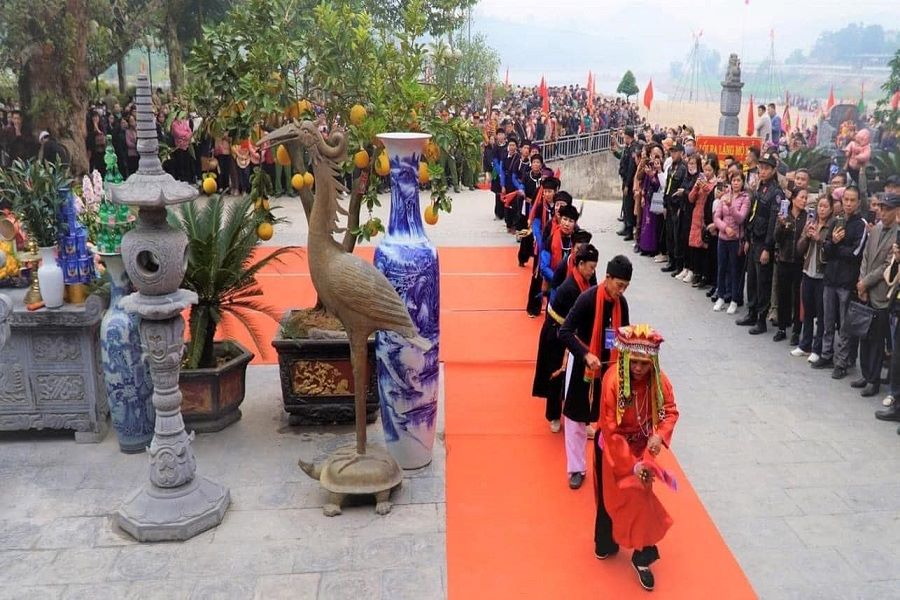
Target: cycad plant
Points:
(222, 269)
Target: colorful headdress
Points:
(643, 341)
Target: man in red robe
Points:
(637, 418)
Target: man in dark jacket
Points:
(759, 244)
(673, 196)
(843, 248)
(627, 169)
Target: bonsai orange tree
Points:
(272, 60)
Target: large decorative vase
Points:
(50, 278)
(129, 389)
(407, 376)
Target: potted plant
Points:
(222, 268)
(34, 188)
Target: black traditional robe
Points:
(551, 349)
(575, 333)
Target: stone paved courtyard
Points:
(801, 480)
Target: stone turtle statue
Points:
(342, 474)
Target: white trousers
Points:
(576, 441)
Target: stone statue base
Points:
(729, 126)
(348, 473)
(154, 514)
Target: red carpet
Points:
(514, 528)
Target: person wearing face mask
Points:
(759, 244)
(789, 228)
(730, 214)
(588, 334)
(810, 247)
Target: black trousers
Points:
(759, 285)
(871, 347)
(672, 237)
(628, 209)
(789, 277)
(535, 296)
(603, 539)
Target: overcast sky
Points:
(565, 38)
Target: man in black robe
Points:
(542, 217)
(549, 369)
(590, 358)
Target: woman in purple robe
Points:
(651, 208)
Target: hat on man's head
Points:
(562, 196)
(587, 254)
(890, 201)
(550, 183)
(769, 158)
(619, 268)
(638, 339)
(568, 211)
(582, 236)
(893, 180)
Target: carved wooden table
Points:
(50, 372)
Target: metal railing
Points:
(579, 144)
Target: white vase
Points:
(50, 278)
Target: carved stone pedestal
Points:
(50, 374)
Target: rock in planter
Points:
(317, 378)
(212, 397)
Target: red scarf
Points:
(583, 283)
(556, 247)
(597, 335)
(537, 208)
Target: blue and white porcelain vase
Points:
(129, 389)
(407, 376)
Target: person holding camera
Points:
(789, 228)
(843, 247)
(872, 289)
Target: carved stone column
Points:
(175, 504)
(729, 122)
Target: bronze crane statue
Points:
(363, 299)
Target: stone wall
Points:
(590, 177)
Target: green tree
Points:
(180, 24)
(462, 68)
(628, 85)
(268, 57)
(884, 114)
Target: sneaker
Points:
(839, 373)
(680, 274)
(888, 400)
(575, 480)
(554, 425)
(661, 258)
(798, 351)
(645, 576)
(732, 308)
(813, 357)
(822, 363)
(720, 303)
(689, 278)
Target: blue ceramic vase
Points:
(407, 376)
(129, 389)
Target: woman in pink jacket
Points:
(729, 218)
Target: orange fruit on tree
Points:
(264, 231)
(382, 165)
(424, 175)
(209, 186)
(282, 157)
(361, 159)
(432, 151)
(431, 214)
(308, 179)
(358, 114)
(297, 181)
(371, 229)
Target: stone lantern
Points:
(176, 504)
(731, 98)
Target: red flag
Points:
(506, 81)
(545, 97)
(751, 128)
(830, 104)
(786, 117)
(895, 100)
(648, 94)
